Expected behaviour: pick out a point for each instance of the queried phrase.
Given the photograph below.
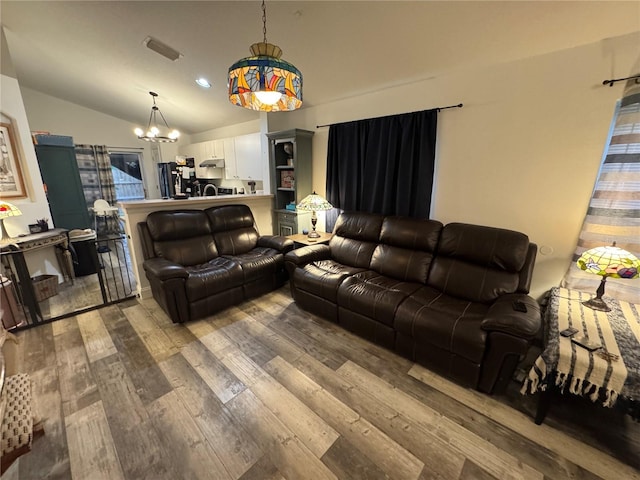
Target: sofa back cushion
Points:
(182, 236)
(355, 237)
(233, 229)
(406, 248)
(478, 263)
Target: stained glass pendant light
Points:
(157, 132)
(607, 261)
(264, 81)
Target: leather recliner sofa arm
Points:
(163, 269)
(504, 317)
(311, 253)
(277, 242)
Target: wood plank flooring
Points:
(266, 390)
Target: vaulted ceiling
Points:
(92, 53)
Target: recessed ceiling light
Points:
(203, 82)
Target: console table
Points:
(12, 253)
(606, 375)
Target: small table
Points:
(603, 375)
(12, 254)
(302, 239)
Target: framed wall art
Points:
(11, 178)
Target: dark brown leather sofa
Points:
(442, 296)
(199, 262)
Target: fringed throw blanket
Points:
(602, 375)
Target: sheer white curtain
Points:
(614, 210)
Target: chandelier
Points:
(264, 81)
(155, 132)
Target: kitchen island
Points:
(137, 211)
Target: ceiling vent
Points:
(162, 48)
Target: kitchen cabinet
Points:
(198, 152)
(290, 170)
(213, 149)
(230, 168)
(246, 161)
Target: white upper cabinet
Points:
(213, 149)
(240, 157)
(248, 157)
(230, 169)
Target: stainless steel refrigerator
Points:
(167, 175)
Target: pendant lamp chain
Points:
(264, 22)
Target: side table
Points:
(603, 375)
(302, 239)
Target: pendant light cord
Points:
(264, 22)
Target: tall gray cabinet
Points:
(290, 169)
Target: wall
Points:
(36, 205)
(88, 126)
(524, 151)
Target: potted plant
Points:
(43, 223)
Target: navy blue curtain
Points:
(382, 165)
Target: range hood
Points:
(213, 162)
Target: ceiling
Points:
(92, 53)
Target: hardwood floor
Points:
(268, 391)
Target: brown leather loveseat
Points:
(448, 297)
(199, 262)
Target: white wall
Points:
(524, 151)
(88, 126)
(35, 206)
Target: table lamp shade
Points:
(607, 261)
(7, 210)
(314, 203)
(610, 261)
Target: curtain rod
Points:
(459, 105)
(611, 82)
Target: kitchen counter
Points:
(191, 202)
(136, 211)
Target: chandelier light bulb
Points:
(138, 131)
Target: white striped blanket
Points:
(575, 369)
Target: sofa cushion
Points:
(478, 263)
(182, 236)
(236, 242)
(259, 262)
(322, 278)
(431, 317)
(233, 229)
(212, 277)
(355, 237)
(373, 295)
(406, 248)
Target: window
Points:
(127, 176)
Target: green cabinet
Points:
(59, 170)
(290, 168)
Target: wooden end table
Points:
(302, 239)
